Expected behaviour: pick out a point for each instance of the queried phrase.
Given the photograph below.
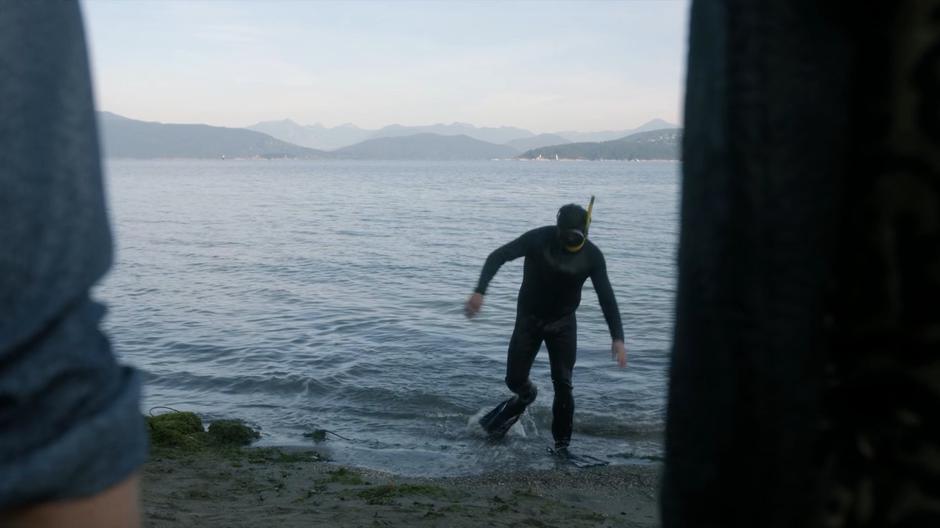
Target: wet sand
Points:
(284, 488)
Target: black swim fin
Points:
(578, 461)
(498, 421)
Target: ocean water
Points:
(302, 295)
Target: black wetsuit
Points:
(549, 295)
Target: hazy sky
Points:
(545, 66)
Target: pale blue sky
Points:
(545, 66)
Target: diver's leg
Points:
(561, 339)
(523, 347)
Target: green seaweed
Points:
(182, 430)
(345, 476)
(317, 435)
(197, 494)
(232, 433)
(527, 492)
(533, 522)
(385, 493)
(590, 516)
(180, 435)
(263, 455)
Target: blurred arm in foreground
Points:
(71, 434)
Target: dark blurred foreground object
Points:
(805, 379)
(70, 426)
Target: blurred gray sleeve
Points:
(70, 424)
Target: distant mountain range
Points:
(130, 138)
(498, 135)
(592, 137)
(320, 137)
(652, 145)
(541, 140)
(314, 136)
(426, 147)
(327, 138)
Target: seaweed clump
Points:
(232, 433)
(181, 430)
(184, 430)
(317, 435)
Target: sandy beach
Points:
(293, 488)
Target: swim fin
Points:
(498, 421)
(578, 461)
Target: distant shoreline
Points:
(343, 160)
(123, 137)
(600, 159)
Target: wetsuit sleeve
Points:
(605, 295)
(511, 251)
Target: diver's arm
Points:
(511, 251)
(605, 295)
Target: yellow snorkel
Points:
(587, 225)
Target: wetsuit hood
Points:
(573, 222)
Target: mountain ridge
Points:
(425, 146)
(321, 137)
(123, 137)
(611, 135)
(660, 144)
(130, 138)
(541, 140)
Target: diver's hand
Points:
(619, 352)
(474, 303)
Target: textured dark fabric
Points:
(553, 277)
(764, 150)
(880, 438)
(69, 419)
(805, 376)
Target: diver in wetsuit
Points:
(558, 259)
